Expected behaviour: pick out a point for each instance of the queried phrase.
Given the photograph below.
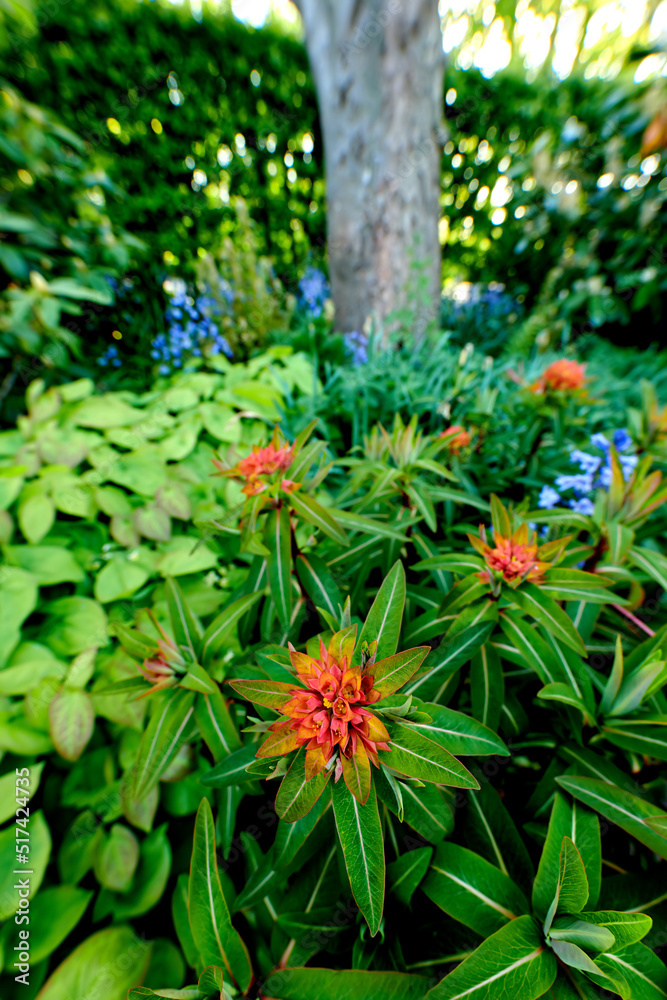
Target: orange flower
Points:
(561, 376)
(510, 559)
(330, 712)
(327, 711)
(262, 462)
(458, 437)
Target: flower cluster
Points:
(561, 376)
(192, 331)
(258, 468)
(512, 559)
(330, 710)
(457, 438)
(356, 347)
(110, 357)
(314, 290)
(595, 472)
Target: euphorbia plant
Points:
(342, 725)
(557, 946)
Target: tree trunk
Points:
(378, 68)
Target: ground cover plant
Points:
(318, 722)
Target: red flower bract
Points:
(262, 463)
(331, 712)
(561, 375)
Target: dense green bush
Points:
(128, 571)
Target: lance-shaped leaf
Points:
(576, 585)
(196, 679)
(184, 628)
(512, 963)
(642, 739)
(564, 694)
(167, 731)
(458, 733)
(627, 928)
(217, 631)
(393, 672)
(581, 828)
(383, 622)
(636, 686)
(473, 891)
(445, 661)
(620, 807)
(231, 770)
(424, 809)
(216, 725)
(360, 835)
(372, 526)
(216, 939)
(453, 562)
(613, 685)
(407, 871)
(653, 563)
(544, 610)
(290, 837)
(211, 982)
(487, 686)
(319, 584)
(271, 694)
(297, 795)
(278, 540)
(490, 831)
(531, 647)
(414, 755)
(642, 970)
(585, 935)
(319, 516)
(347, 984)
(465, 592)
(572, 886)
(357, 773)
(71, 722)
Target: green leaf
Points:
(86, 971)
(297, 796)
(393, 672)
(36, 516)
(318, 583)
(353, 984)
(458, 733)
(317, 515)
(271, 694)
(414, 755)
(627, 928)
(166, 733)
(653, 563)
(407, 871)
(71, 722)
(117, 858)
(54, 913)
(576, 585)
(216, 726)
(231, 770)
(290, 837)
(425, 809)
(489, 830)
(184, 628)
(512, 964)
(215, 938)
(620, 807)
(581, 933)
(581, 827)
(613, 684)
(150, 879)
(445, 661)
(40, 850)
(473, 891)
(278, 540)
(487, 686)
(383, 621)
(371, 526)
(549, 614)
(360, 835)
(644, 972)
(9, 786)
(221, 625)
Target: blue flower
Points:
(356, 347)
(600, 441)
(314, 289)
(628, 464)
(580, 484)
(587, 463)
(605, 477)
(583, 506)
(622, 440)
(548, 498)
(164, 369)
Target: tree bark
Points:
(378, 67)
